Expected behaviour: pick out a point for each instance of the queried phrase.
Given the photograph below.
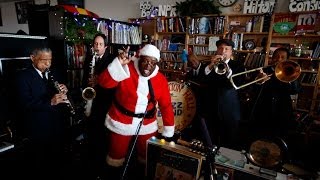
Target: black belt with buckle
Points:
(149, 114)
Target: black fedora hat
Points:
(228, 42)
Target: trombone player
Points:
(96, 131)
(222, 106)
(272, 115)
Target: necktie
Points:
(44, 77)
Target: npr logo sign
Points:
(147, 9)
(167, 10)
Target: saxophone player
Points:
(42, 115)
(96, 131)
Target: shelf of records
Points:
(255, 60)
(308, 78)
(209, 25)
(171, 24)
(249, 23)
(168, 44)
(75, 54)
(124, 33)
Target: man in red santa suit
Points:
(139, 87)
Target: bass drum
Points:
(183, 103)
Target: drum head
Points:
(183, 103)
(265, 153)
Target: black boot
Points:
(112, 173)
(137, 171)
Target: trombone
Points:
(286, 71)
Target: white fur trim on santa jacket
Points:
(133, 93)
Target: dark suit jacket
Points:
(223, 104)
(273, 113)
(41, 122)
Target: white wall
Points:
(121, 9)
(114, 9)
(9, 19)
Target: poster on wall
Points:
(22, 11)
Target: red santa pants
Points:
(119, 147)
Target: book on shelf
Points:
(182, 25)
(316, 50)
(317, 25)
(206, 25)
(257, 23)
(266, 22)
(172, 24)
(308, 78)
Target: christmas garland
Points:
(80, 29)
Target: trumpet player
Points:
(42, 115)
(97, 61)
(222, 107)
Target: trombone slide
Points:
(286, 71)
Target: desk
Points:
(180, 160)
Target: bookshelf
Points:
(250, 33)
(169, 35)
(254, 45)
(198, 34)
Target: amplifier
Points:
(168, 160)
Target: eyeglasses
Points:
(148, 60)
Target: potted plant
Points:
(196, 7)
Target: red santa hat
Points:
(150, 50)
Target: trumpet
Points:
(286, 71)
(221, 67)
(56, 85)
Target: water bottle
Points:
(249, 26)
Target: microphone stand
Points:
(132, 146)
(210, 153)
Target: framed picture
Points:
(22, 11)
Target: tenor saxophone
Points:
(89, 93)
(56, 85)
